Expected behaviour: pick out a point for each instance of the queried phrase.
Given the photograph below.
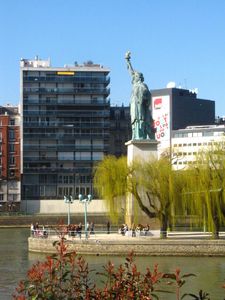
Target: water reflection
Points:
(15, 260)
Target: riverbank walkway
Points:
(177, 244)
(153, 234)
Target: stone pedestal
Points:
(138, 150)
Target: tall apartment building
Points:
(120, 130)
(65, 129)
(10, 183)
(175, 108)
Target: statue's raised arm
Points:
(129, 66)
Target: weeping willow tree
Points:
(110, 182)
(163, 188)
(205, 193)
(153, 184)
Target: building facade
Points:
(176, 108)
(10, 179)
(187, 143)
(120, 130)
(65, 129)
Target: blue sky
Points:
(170, 40)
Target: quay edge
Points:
(140, 247)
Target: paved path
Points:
(154, 234)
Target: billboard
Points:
(161, 116)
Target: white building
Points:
(186, 143)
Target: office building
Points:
(175, 108)
(10, 179)
(187, 143)
(65, 115)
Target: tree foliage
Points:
(205, 191)
(110, 182)
(152, 183)
(161, 192)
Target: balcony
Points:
(69, 91)
(53, 170)
(69, 79)
(66, 101)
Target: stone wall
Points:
(143, 247)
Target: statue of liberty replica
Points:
(140, 105)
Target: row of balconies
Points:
(76, 102)
(66, 113)
(80, 125)
(50, 170)
(56, 159)
(71, 146)
(65, 91)
(33, 136)
(60, 79)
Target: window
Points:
(195, 134)
(82, 179)
(65, 156)
(12, 160)
(11, 134)
(65, 179)
(207, 133)
(12, 173)
(1, 197)
(11, 147)
(12, 197)
(12, 122)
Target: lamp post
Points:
(85, 200)
(68, 200)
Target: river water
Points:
(15, 260)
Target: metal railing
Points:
(51, 233)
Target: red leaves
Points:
(66, 276)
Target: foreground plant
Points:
(66, 276)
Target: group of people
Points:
(135, 229)
(37, 231)
(76, 230)
(123, 229)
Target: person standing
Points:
(88, 229)
(79, 230)
(108, 227)
(92, 228)
(32, 229)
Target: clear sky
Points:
(170, 40)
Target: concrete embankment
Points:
(44, 219)
(115, 244)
